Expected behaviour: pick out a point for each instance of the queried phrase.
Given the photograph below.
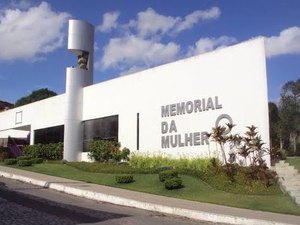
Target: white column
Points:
(80, 40)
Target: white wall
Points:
(14, 133)
(237, 75)
(37, 115)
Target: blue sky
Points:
(135, 35)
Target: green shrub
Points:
(167, 174)
(124, 178)
(52, 151)
(107, 151)
(10, 161)
(125, 154)
(102, 150)
(23, 158)
(37, 160)
(24, 162)
(173, 183)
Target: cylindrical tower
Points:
(80, 42)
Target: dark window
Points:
(49, 135)
(106, 128)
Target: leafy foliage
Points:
(24, 162)
(104, 150)
(173, 183)
(52, 151)
(167, 174)
(23, 158)
(285, 119)
(10, 161)
(250, 148)
(124, 179)
(35, 96)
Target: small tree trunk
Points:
(294, 142)
(280, 140)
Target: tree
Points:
(35, 96)
(289, 112)
(274, 126)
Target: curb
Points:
(188, 213)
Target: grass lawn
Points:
(294, 161)
(195, 189)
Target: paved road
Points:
(22, 203)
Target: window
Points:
(106, 128)
(18, 119)
(49, 135)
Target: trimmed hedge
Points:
(24, 162)
(10, 161)
(124, 179)
(173, 183)
(167, 174)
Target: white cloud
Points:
(208, 44)
(131, 50)
(288, 42)
(139, 45)
(26, 34)
(150, 22)
(196, 16)
(109, 22)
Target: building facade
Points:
(166, 110)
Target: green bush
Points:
(23, 158)
(173, 183)
(37, 160)
(107, 151)
(124, 178)
(24, 162)
(125, 154)
(52, 151)
(167, 174)
(10, 161)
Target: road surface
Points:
(22, 203)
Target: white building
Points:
(163, 110)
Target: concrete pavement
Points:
(179, 207)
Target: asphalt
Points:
(179, 207)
